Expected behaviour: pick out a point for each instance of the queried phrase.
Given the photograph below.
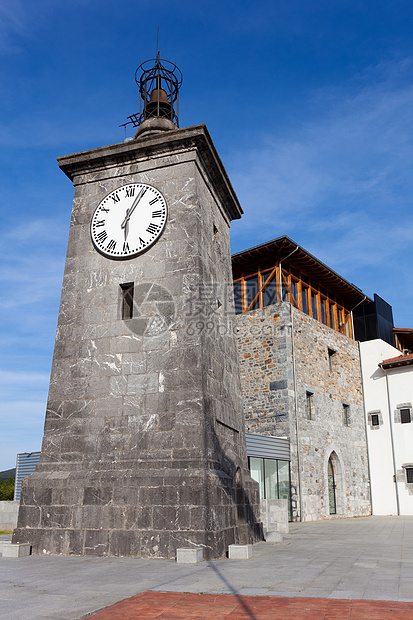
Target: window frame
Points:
(309, 405)
(346, 414)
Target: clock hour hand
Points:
(125, 223)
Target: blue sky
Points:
(310, 105)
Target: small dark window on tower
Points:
(405, 416)
(331, 354)
(346, 415)
(127, 300)
(309, 405)
(409, 475)
(375, 419)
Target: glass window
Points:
(251, 285)
(332, 316)
(271, 482)
(323, 306)
(238, 297)
(314, 304)
(273, 477)
(304, 299)
(284, 285)
(405, 417)
(283, 480)
(270, 291)
(340, 318)
(293, 291)
(375, 419)
(347, 324)
(257, 473)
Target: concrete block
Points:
(14, 550)
(240, 552)
(190, 556)
(273, 537)
(8, 515)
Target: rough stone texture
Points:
(267, 374)
(273, 536)
(8, 515)
(274, 515)
(11, 550)
(144, 445)
(189, 556)
(240, 552)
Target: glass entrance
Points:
(273, 477)
(331, 488)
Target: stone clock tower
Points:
(144, 447)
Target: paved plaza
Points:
(368, 558)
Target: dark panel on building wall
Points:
(385, 322)
(374, 320)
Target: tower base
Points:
(144, 515)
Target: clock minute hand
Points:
(132, 209)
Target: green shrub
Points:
(6, 489)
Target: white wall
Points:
(377, 392)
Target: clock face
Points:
(128, 220)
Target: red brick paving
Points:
(178, 606)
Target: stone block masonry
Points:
(144, 446)
(285, 355)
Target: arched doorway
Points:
(332, 499)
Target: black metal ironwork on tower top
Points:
(159, 82)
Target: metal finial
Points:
(159, 82)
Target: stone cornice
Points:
(148, 147)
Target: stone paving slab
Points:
(365, 558)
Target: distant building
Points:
(25, 465)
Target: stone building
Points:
(301, 378)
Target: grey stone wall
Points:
(275, 404)
(144, 433)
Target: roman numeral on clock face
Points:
(152, 229)
(102, 236)
(100, 223)
(125, 247)
(130, 191)
(152, 202)
(111, 245)
(115, 198)
(156, 213)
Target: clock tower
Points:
(144, 446)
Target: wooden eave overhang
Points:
(269, 254)
(394, 362)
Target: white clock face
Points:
(128, 220)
